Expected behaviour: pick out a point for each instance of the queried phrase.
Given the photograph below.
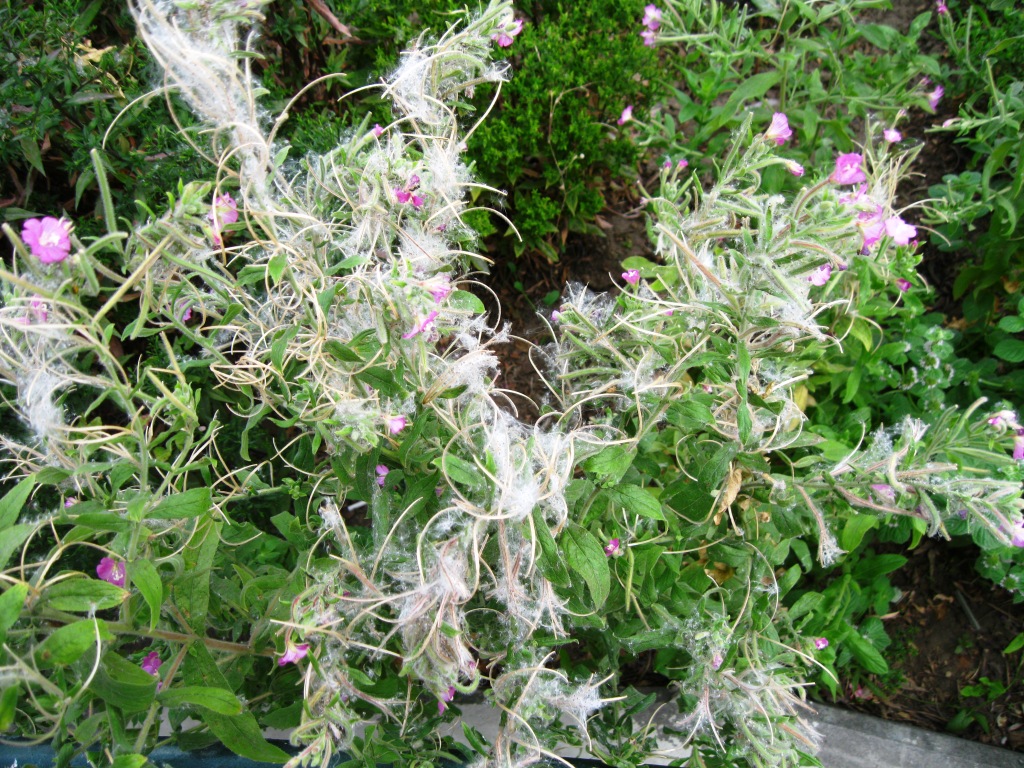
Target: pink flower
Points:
(631, 276)
(649, 36)
(223, 211)
(378, 130)
(872, 225)
(626, 116)
(885, 492)
(396, 424)
(940, 6)
(425, 325)
(1004, 419)
(612, 549)
(794, 167)
(778, 131)
(151, 663)
(48, 238)
(936, 96)
(439, 287)
(447, 696)
(1018, 534)
(1018, 445)
(112, 571)
(555, 316)
(39, 311)
(848, 170)
(293, 652)
(652, 17)
(183, 309)
(901, 232)
(682, 164)
(892, 135)
(821, 643)
(903, 284)
(504, 37)
(405, 194)
(821, 275)
(70, 501)
(717, 660)
(382, 473)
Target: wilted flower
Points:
(821, 643)
(223, 211)
(779, 130)
(626, 116)
(794, 167)
(848, 170)
(631, 276)
(396, 424)
(424, 325)
(892, 135)
(151, 663)
(612, 548)
(936, 96)
(717, 660)
(1018, 445)
(112, 571)
(903, 284)
(439, 287)
(293, 652)
(48, 239)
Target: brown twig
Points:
(320, 7)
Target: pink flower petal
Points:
(48, 239)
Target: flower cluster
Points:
(872, 220)
(651, 22)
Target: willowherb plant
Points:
(266, 422)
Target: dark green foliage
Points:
(68, 68)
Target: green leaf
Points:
(122, 684)
(276, 267)
(550, 561)
(218, 700)
(879, 35)
(83, 595)
(146, 578)
(13, 501)
(1010, 350)
(609, 464)
(754, 87)
(467, 302)
(9, 706)
(69, 643)
(240, 733)
(11, 603)
(1015, 645)
(340, 351)
(806, 603)
(129, 761)
(1011, 324)
(191, 503)
(191, 590)
(12, 539)
(585, 555)
(866, 654)
(855, 529)
(636, 500)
